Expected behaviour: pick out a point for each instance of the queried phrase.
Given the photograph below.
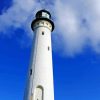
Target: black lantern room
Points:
(43, 15)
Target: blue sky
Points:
(76, 47)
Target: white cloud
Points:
(78, 25)
(68, 28)
(18, 14)
(77, 22)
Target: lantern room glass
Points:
(46, 15)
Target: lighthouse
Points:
(40, 74)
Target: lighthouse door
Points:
(39, 93)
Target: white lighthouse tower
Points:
(40, 76)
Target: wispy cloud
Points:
(77, 22)
(78, 25)
(18, 14)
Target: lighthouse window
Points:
(42, 23)
(48, 48)
(42, 33)
(30, 71)
(47, 23)
(37, 23)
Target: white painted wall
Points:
(41, 64)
